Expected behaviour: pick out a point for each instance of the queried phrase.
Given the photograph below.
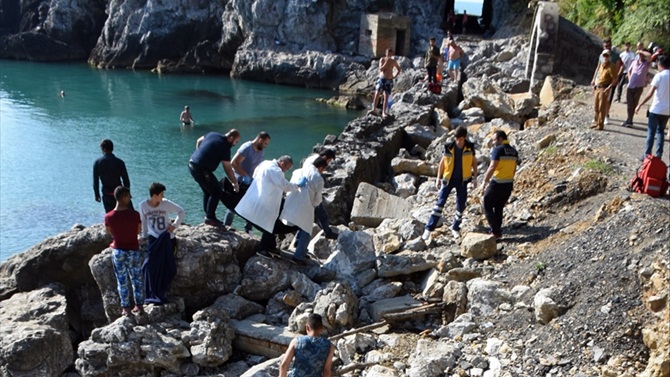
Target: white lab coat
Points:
(299, 205)
(261, 203)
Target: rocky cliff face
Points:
(49, 30)
(305, 43)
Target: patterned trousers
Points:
(128, 266)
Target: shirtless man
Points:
(455, 55)
(385, 81)
(185, 117)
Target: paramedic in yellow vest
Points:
(457, 167)
(504, 159)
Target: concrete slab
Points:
(392, 305)
(260, 338)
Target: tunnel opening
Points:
(468, 17)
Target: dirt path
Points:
(626, 143)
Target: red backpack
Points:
(651, 177)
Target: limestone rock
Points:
(139, 36)
(354, 254)
(421, 135)
(203, 273)
(462, 325)
(456, 295)
(392, 305)
(336, 303)
(385, 291)
(34, 335)
(210, 337)
(237, 307)
(60, 259)
(484, 296)
(405, 264)
(489, 97)
(431, 358)
(405, 184)
(309, 68)
(50, 30)
(132, 346)
(263, 278)
(546, 308)
(555, 88)
(372, 206)
(479, 246)
(413, 166)
(381, 371)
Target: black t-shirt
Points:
(213, 149)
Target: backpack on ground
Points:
(435, 88)
(651, 177)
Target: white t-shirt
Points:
(627, 58)
(155, 220)
(661, 102)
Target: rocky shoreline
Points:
(577, 287)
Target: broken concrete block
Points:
(372, 206)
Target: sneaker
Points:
(426, 235)
(628, 125)
(455, 232)
(607, 120)
(214, 222)
(332, 236)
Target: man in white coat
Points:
(261, 203)
(299, 206)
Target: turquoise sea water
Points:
(48, 144)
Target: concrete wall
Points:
(381, 31)
(543, 42)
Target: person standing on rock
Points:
(155, 215)
(124, 224)
(430, 60)
(185, 117)
(262, 202)
(457, 168)
(299, 206)
(320, 213)
(455, 56)
(245, 161)
(659, 111)
(388, 70)
(311, 354)
(111, 171)
(210, 150)
(504, 159)
(603, 86)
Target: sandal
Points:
(125, 312)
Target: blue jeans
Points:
(656, 126)
(301, 244)
(461, 197)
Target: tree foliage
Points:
(623, 20)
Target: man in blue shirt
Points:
(212, 149)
